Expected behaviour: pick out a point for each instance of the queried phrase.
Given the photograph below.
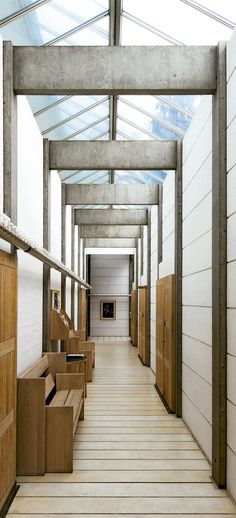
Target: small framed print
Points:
(108, 310)
(55, 299)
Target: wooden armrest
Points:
(69, 381)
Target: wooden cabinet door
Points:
(166, 344)
(134, 317)
(83, 314)
(8, 322)
(142, 324)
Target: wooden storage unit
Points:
(134, 315)
(166, 340)
(49, 403)
(8, 324)
(143, 315)
(82, 314)
(60, 325)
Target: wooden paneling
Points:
(83, 314)
(134, 315)
(8, 321)
(166, 340)
(143, 313)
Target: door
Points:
(166, 343)
(134, 317)
(83, 314)
(143, 324)
(8, 329)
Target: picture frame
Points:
(55, 299)
(108, 310)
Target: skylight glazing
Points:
(79, 22)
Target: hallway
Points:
(130, 456)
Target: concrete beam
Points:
(123, 155)
(106, 231)
(111, 217)
(109, 243)
(111, 194)
(114, 70)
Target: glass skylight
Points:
(79, 22)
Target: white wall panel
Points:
(197, 275)
(197, 256)
(55, 227)
(110, 275)
(198, 424)
(197, 323)
(231, 273)
(30, 221)
(154, 277)
(197, 289)
(198, 356)
(1, 128)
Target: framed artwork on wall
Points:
(108, 310)
(55, 299)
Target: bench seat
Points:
(50, 402)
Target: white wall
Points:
(30, 220)
(68, 258)
(154, 277)
(167, 266)
(197, 276)
(76, 284)
(110, 274)
(231, 303)
(55, 227)
(1, 128)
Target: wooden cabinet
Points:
(166, 340)
(134, 318)
(60, 325)
(8, 323)
(83, 314)
(143, 315)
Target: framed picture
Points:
(108, 310)
(55, 299)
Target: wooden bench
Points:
(49, 404)
(75, 346)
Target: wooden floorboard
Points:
(131, 458)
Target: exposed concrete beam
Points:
(106, 231)
(109, 243)
(111, 194)
(111, 217)
(138, 155)
(114, 70)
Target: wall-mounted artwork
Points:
(55, 299)
(108, 310)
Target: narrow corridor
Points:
(130, 456)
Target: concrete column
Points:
(219, 274)
(47, 245)
(179, 275)
(63, 244)
(72, 264)
(9, 135)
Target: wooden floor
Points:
(130, 456)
